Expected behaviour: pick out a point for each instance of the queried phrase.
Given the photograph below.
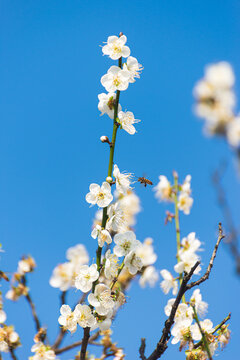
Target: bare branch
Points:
(78, 343)
(34, 314)
(210, 265)
(86, 336)
(142, 349)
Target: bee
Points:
(144, 181)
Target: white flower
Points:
(3, 316)
(115, 79)
(168, 283)
(183, 311)
(130, 205)
(220, 75)
(180, 330)
(78, 254)
(106, 104)
(206, 326)
(23, 267)
(84, 316)
(13, 337)
(62, 276)
(196, 300)
(116, 48)
(190, 244)
(233, 132)
(111, 265)
(146, 252)
(149, 277)
(3, 346)
(102, 235)
(133, 67)
(87, 275)
(101, 299)
(186, 186)
(122, 180)
(68, 318)
(43, 352)
(99, 195)
(163, 189)
(125, 242)
(133, 263)
(126, 120)
(187, 261)
(115, 217)
(185, 202)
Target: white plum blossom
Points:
(196, 301)
(127, 120)
(190, 244)
(163, 189)
(78, 254)
(115, 79)
(84, 316)
(180, 330)
(42, 352)
(102, 235)
(146, 252)
(122, 180)
(134, 68)
(125, 242)
(206, 326)
(183, 311)
(168, 283)
(26, 265)
(220, 75)
(62, 276)
(115, 217)
(149, 277)
(187, 261)
(116, 47)
(111, 265)
(133, 263)
(68, 318)
(233, 132)
(99, 195)
(106, 104)
(86, 276)
(185, 202)
(130, 205)
(102, 299)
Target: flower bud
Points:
(104, 139)
(109, 179)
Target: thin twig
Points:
(86, 336)
(34, 314)
(78, 343)
(210, 265)
(142, 349)
(204, 339)
(13, 356)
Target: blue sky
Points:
(50, 70)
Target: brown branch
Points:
(34, 314)
(13, 356)
(86, 336)
(78, 343)
(142, 349)
(210, 265)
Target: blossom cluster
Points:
(216, 102)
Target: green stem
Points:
(205, 342)
(116, 278)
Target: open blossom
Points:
(163, 189)
(149, 277)
(116, 47)
(42, 352)
(168, 283)
(102, 235)
(133, 263)
(187, 261)
(130, 205)
(183, 311)
(146, 252)
(115, 79)
(26, 265)
(102, 299)
(106, 104)
(180, 331)
(185, 202)
(86, 276)
(233, 132)
(190, 244)
(111, 265)
(62, 276)
(220, 75)
(115, 217)
(134, 68)
(68, 318)
(3, 316)
(122, 180)
(207, 327)
(196, 301)
(78, 254)
(126, 120)
(84, 316)
(125, 242)
(99, 195)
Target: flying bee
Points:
(144, 181)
